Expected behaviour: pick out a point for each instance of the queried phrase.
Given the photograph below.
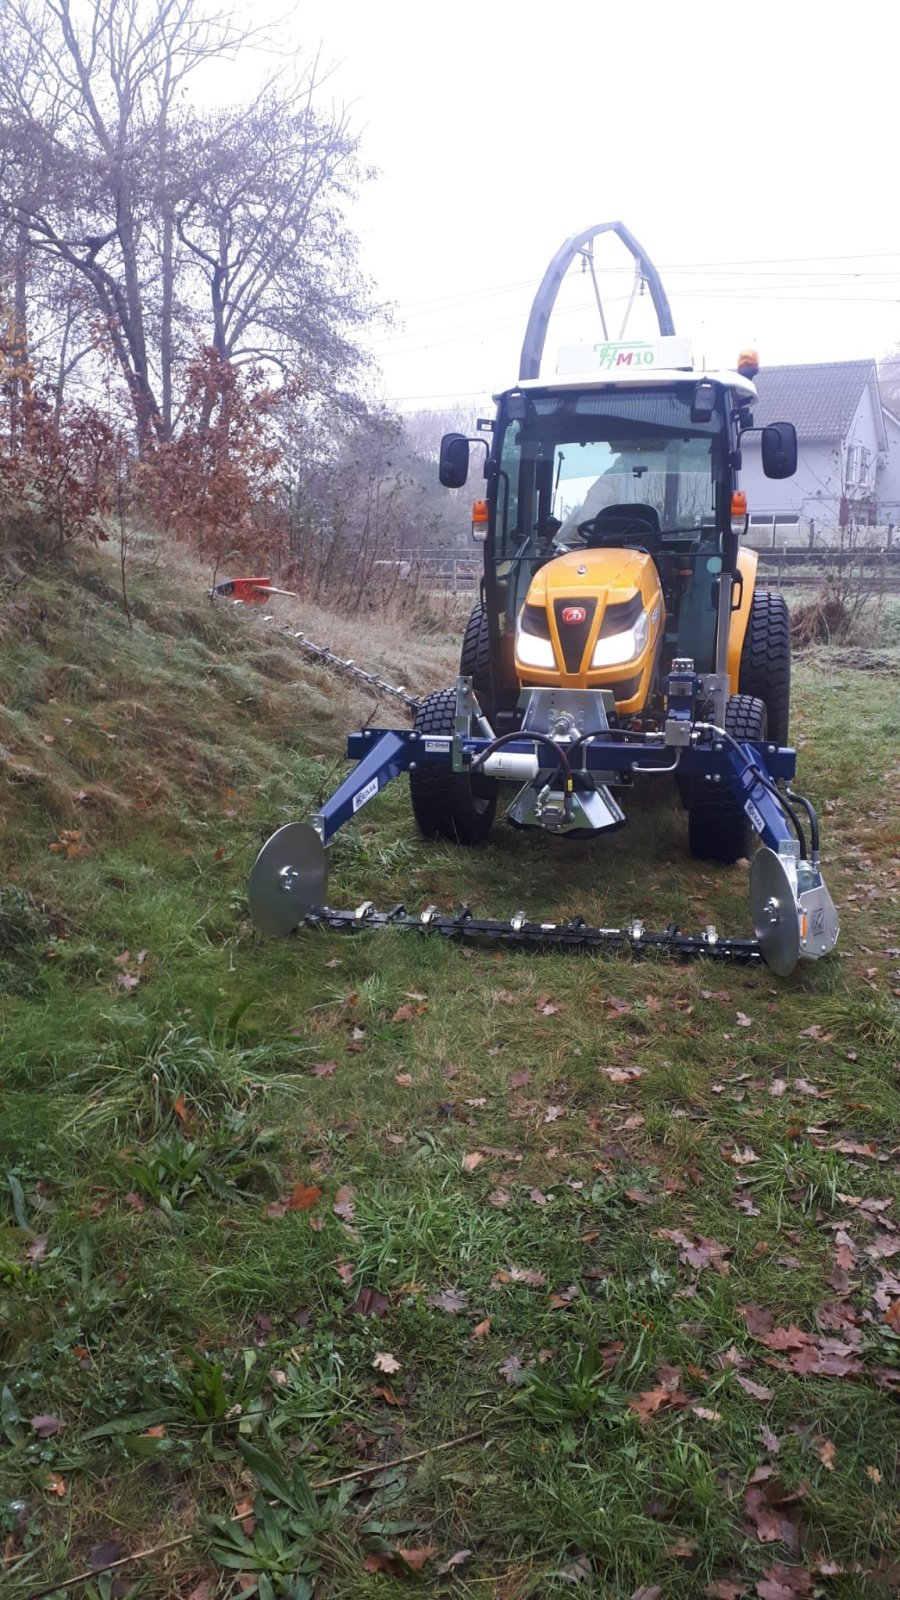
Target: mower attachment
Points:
(794, 917)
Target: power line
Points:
(764, 262)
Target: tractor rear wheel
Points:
(449, 805)
(766, 660)
(475, 658)
(718, 826)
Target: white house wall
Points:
(889, 476)
(813, 492)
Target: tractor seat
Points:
(632, 523)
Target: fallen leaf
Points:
(540, 1199)
(706, 1415)
(621, 1007)
(699, 1252)
(369, 1303)
(383, 1361)
(404, 1079)
(504, 997)
(559, 1302)
(45, 1425)
(450, 1300)
(622, 1075)
(724, 1589)
(519, 1080)
(456, 1560)
(873, 1474)
(322, 1069)
(54, 1484)
(537, 1280)
(756, 1391)
(178, 1106)
(156, 1432)
(650, 1401)
(511, 1369)
(827, 1451)
(777, 1087)
(742, 1158)
(403, 1014)
(471, 1160)
(499, 1198)
(344, 1203)
(882, 1248)
(304, 1196)
(743, 1021)
(784, 1583)
(553, 1113)
(126, 981)
(546, 1007)
(205, 1589)
(681, 1547)
(757, 1320)
(481, 1329)
(36, 1250)
(770, 1440)
(803, 1087)
(382, 1391)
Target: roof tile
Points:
(820, 399)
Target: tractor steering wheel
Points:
(612, 525)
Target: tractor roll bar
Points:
(545, 299)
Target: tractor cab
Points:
(611, 515)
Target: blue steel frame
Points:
(382, 754)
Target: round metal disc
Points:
(776, 922)
(289, 878)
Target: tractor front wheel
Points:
(718, 826)
(448, 805)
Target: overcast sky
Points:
(752, 150)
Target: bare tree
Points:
(86, 95)
(261, 215)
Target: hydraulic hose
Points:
(722, 733)
(538, 738)
(813, 818)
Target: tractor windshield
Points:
(574, 454)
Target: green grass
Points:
(150, 1278)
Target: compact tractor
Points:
(619, 639)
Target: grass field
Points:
(608, 1250)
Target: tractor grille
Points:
(574, 636)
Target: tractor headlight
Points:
(624, 646)
(532, 651)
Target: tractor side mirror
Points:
(779, 450)
(454, 464)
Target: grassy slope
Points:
(606, 1101)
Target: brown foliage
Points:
(215, 485)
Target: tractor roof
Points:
(643, 363)
(632, 378)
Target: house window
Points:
(852, 458)
(865, 457)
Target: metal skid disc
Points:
(773, 905)
(289, 878)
